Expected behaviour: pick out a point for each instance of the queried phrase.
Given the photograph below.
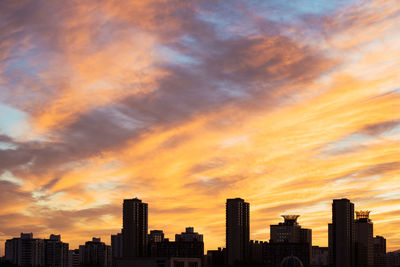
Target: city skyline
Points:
(184, 104)
(236, 205)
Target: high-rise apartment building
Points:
(237, 230)
(95, 253)
(364, 233)
(56, 252)
(135, 225)
(25, 250)
(342, 234)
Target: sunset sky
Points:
(287, 104)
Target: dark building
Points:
(342, 234)
(215, 258)
(393, 259)
(364, 237)
(116, 246)
(155, 237)
(25, 250)
(95, 253)
(256, 251)
(134, 231)
(73, 258)
(380, 252)
(289, 239)
(188, 244)
(275, 253)
(56, 252)
(290, 231)
(237, 230)
(189, 236)
(320, 256)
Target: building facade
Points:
(288, 238)
(364, 240)
(95, 253)
(25, 250)
(237, 230)
(380, 259)
(134, 231)
(341, 234)
(56, 252)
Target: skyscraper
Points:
(342, 234)
(364, 230)
(237, 230)
(134, 230)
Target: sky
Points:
(183, 104)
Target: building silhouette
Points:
(320, 256)
(95, 253)
(116, 245)
(380, 259)
(364, 237)
(341, 234)
(25, 250)
(73, 258)
(215, 258)
(134, 228)
(55, 252)
(188, 244)
(237, 230)
(288, 239)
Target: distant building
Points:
(117, 246)
(188, 244)
(135, 225)
(256, 251)
(364, 240)
(215, 258)
(286, 233)
(25, 250)
(159, 262)
(155, 237)
(95, 253)
(393, 259)
(237, 230)
(380, 259)
(320, 256)
(73, 258)
(341, 234)
(290, 231)
(56, 252)
(189, 236)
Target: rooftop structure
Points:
(362, 214)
